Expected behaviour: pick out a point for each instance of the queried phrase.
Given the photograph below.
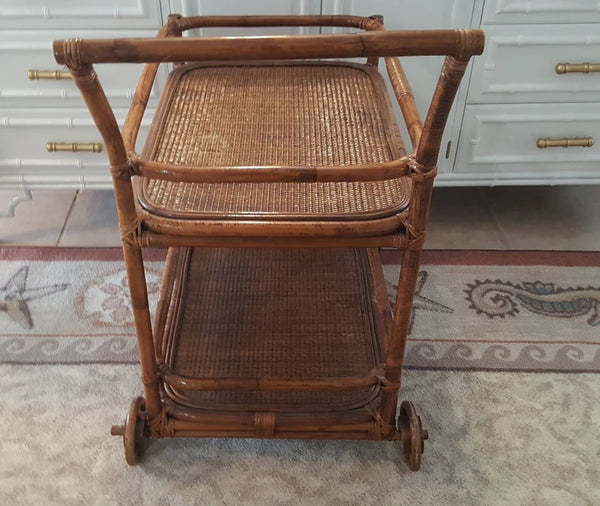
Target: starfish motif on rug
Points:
(419, 301)
(15, 295)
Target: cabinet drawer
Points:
(21, 52)
(25, 133)
(80, 14)
(540, 11)
(503, 138)
(519, 64)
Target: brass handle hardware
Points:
(57, 75)
(583, 68)
(583, 142)
(94, 147)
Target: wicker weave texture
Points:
(289, 115)
(299, 313)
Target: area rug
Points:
(68, 369)
(519, 311)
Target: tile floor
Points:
(545, 218)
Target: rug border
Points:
(56, 354)
(558, 258)
(75, 254)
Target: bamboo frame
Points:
(265, 174)
(375, 43)
(404, 230)
(260, 384)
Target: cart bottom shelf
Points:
(281, 314)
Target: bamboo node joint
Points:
(264, 424)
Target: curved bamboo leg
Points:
(141, 313)
(86, 80)
(395, 355)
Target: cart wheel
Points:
(412, 435)
(134, 432)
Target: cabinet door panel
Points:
(79, 14)
(502, 139)
(540, 11)
(25, 133)
(21, 52)
(519, 62)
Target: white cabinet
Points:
(511, 96)
(519, 64)
(517, 96)
(503, 140)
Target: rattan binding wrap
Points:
(308, 114)
(248, 313)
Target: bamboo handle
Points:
(94, 147)
(582, 68)
(78, 53)
(584, 142)
(57, 75)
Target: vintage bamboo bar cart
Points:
(273, 174)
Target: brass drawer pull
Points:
(583, 68)
(94, 147)
(57, 75)
(583, 142)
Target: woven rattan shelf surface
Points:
(274, 313)
(286, 114)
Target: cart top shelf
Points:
(294, 115)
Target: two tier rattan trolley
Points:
(273, 174)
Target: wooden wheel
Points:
(134, 431)
(412, 435)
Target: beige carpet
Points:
(496, 439)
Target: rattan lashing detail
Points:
(415, 237)
(160, 426)
(384, 429)
(420, 172)
(72, 53)
(133, 233)
(122, 171)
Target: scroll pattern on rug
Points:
(502, 298)
(478, 317)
